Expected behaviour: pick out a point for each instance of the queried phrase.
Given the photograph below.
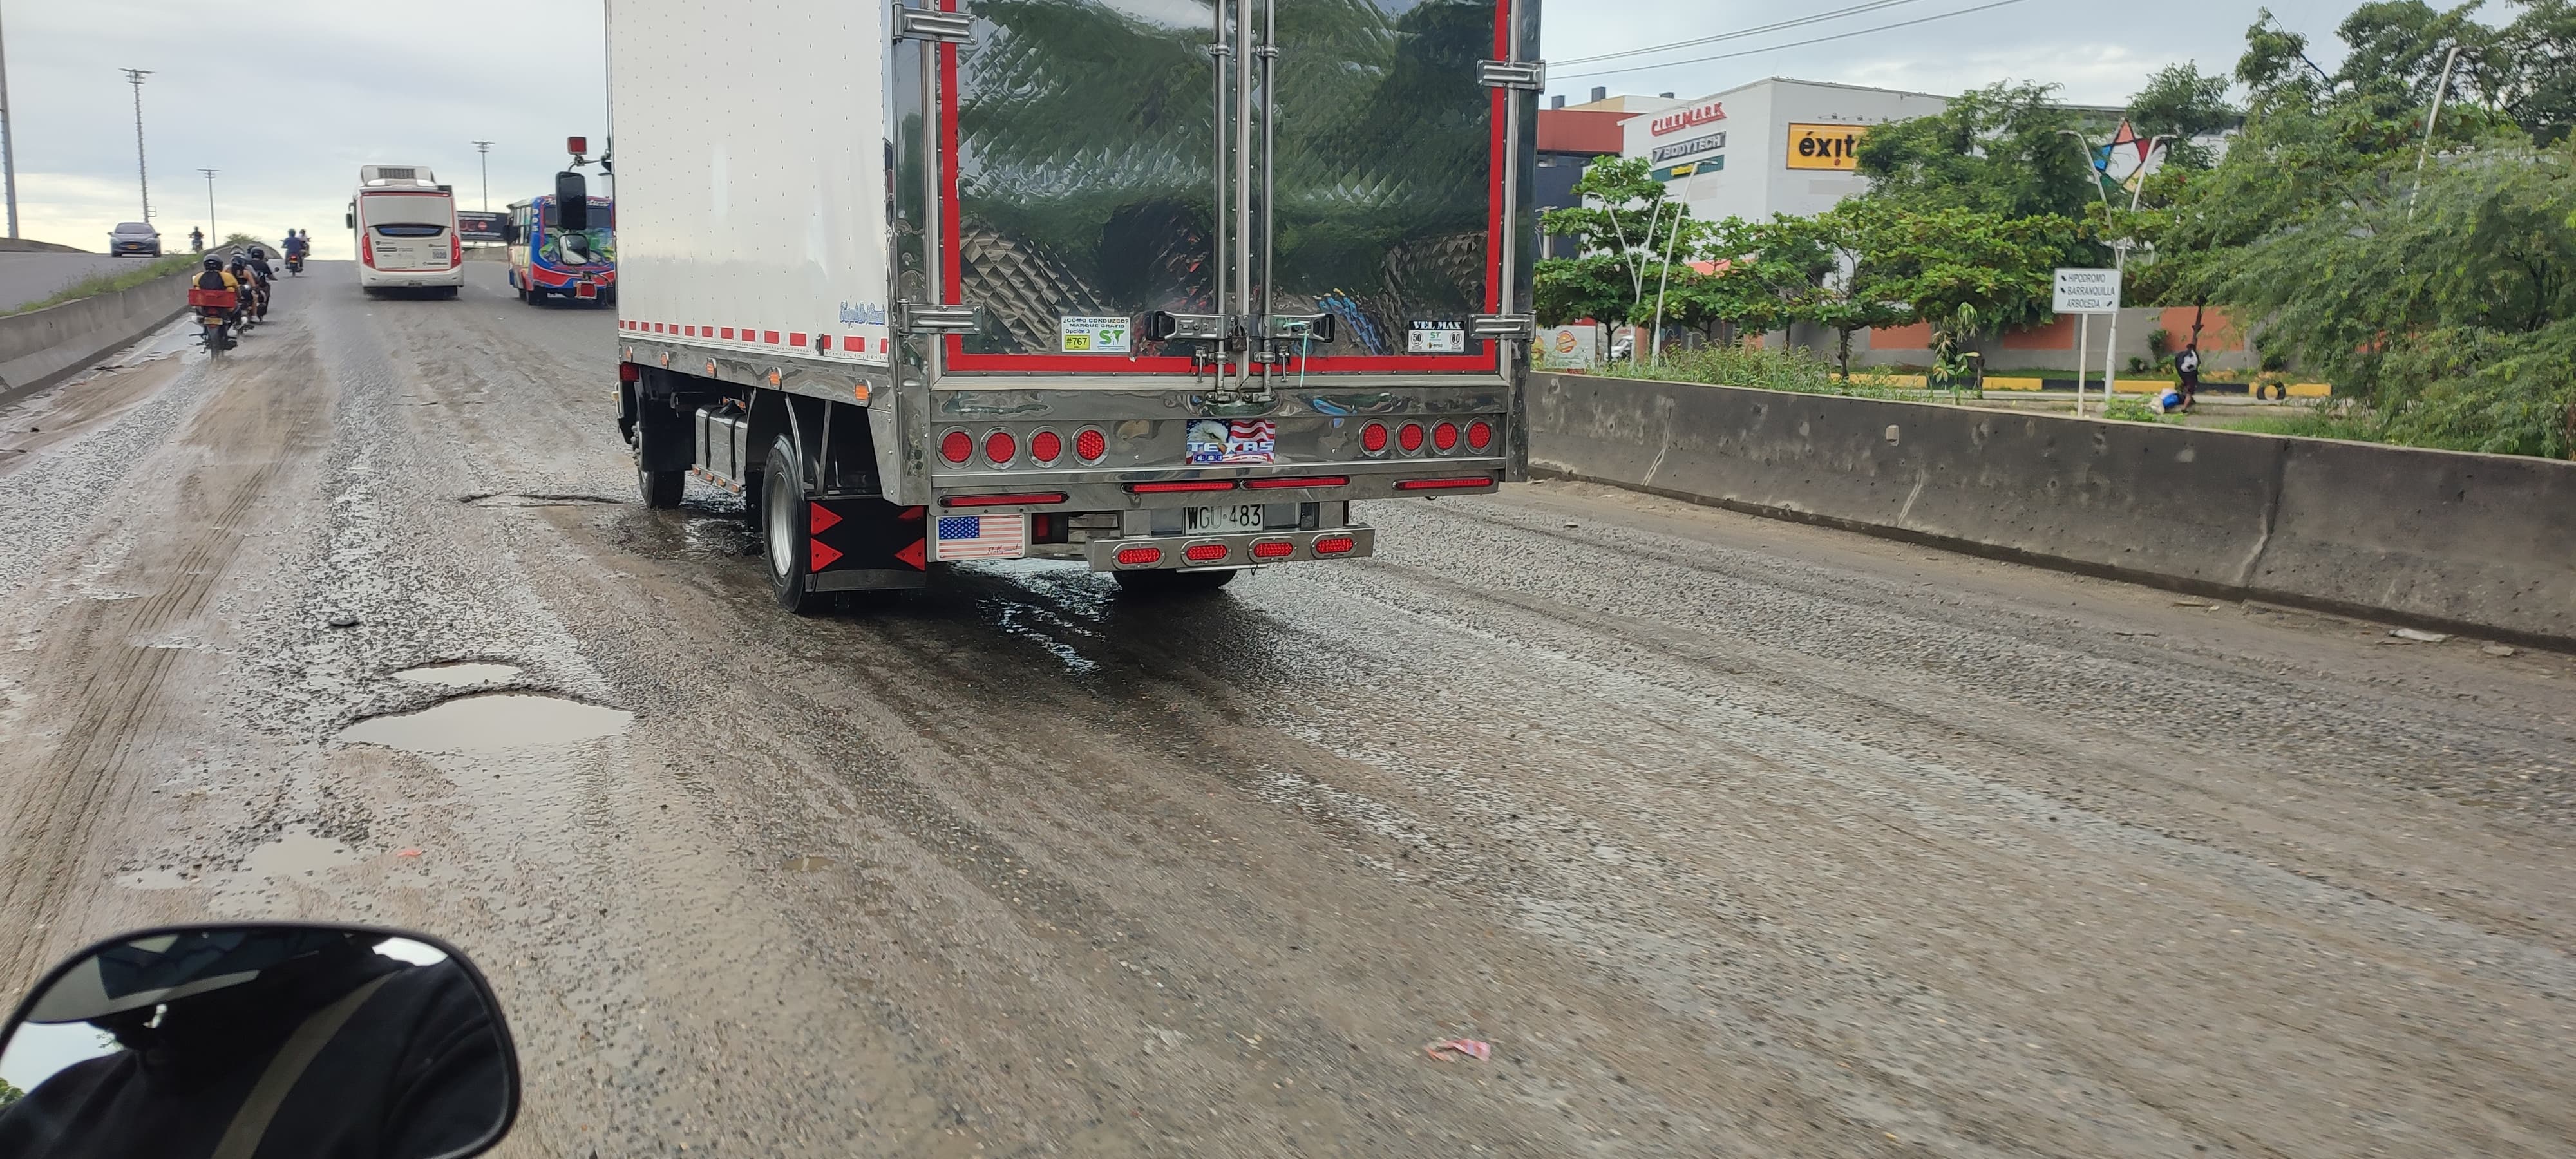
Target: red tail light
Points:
(1445, 484)
(629, 372)
(366, 249)
(1410, 438)
(1181, 485)
(1000, 448)
(455, 250)
(1022, 499)
(1139, 556)
(956, 447)
(1273, 549)
(1209, 552)
(1292, 484)
(1335, 545)
(1046, 447)
(1480, 434)
(1373, 438)
(1089, 446)
(1445, 437)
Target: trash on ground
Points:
(2499, 649)
(344, 621)
(2419, 635)
(1461, 1047)
(406, 853)
(2193, 604)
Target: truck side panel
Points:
(751, 174)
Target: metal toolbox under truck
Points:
(1086, 279)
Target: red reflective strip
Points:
(1184, 485)
(796, 338)
(1445, 484)
(770, 337)
(689, 332)
(1029, 499)
(725, 332)
(1288, 484)
(820, 555)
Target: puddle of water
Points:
(459, 674)
(295, 853)
(808, 863)
(538, 501)
(156, 879)
(497, 723)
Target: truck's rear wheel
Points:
(1175, 582)
(782, 532)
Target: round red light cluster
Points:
(1373, 438)
(1046, 447)
(1480, 434)
(956, 447)
(1445, 437)
(1000, 448)
(1410, 437)
(1089, 446)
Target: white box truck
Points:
(1158, 288)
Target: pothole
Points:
(458, 674)
(295, 853)
(515, 499)
(495, 723)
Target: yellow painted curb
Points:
(2013, 384)
(2311, 390)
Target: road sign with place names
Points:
(2087, 291)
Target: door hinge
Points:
(933, 318)
(1512, 74)
(936, 27)
(1518, 327)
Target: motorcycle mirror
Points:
(263, 1038)
(572, 201)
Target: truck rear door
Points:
(1092, 153)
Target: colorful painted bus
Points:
(548, 260)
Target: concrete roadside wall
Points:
(2478, 542)
(43, 346)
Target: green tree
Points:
(9, 1094)
(1993, 150)
(1824, 270)
(1969, 273)
(2186, 103)
(1623, 232)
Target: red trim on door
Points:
(953, 278)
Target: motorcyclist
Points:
(214, 277)
(277, 1042)
(196, 241)
(254, 288)
(297, 245)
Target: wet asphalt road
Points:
(1733, 837)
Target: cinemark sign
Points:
(1709, 113)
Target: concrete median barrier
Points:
(2480, 542)
(42, 347)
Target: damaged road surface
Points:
(1729, 837)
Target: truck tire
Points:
(782, 532)
(1175, 583)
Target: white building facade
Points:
(1773, 146)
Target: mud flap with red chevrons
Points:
(863, 543)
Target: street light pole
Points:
(8, 142)
(134, 76)
(212, 234)
(2120, 267)
(485, 148)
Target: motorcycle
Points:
(215, 310)
(260, 1038)
(295, 265)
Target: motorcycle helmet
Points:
(257, 254)
(150, 971)
(214, 263)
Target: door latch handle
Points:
(933, 25)
(1512, 74)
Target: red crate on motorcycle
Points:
(213, 299)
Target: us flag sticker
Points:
(980, 537)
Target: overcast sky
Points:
(288, 97)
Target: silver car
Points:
(134, 237)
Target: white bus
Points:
(405, 223)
